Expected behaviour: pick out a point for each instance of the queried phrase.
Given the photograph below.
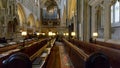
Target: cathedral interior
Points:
(59, 33)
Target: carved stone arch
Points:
(112, 2)
(98, 10)
(37, 23)
(28, 23)
(15, 25)
(10, 27)
(64, 15)
(21, 14)
(1, 6)
(31, 20)
(4, 3)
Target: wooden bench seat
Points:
(113, 54)
(77, 55)
(111, 45)
(10, 47)
(29, 50)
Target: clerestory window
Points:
(115, 12)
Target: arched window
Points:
(99, 21)
(115, 12)
(115, 20)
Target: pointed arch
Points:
(37, 23)
(71, 8)
(21, 14)
(1, 6)
(31, 20)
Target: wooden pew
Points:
(33, 48)
(53, 59)
(113, 54)
(29, 50)
(11, 47)
(77, 56)
(5, 57)
(50, 57)
(111, 45)
(7, 48)
(82, 60)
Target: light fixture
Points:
(64, 34)
(95, 34)
(50, 33)
(73, 34)
(38, 34)
(24, 33)
(53, 34)
(67, 34)
(51, 11)
(43, 33)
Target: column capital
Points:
(94, 2)
(109, 2)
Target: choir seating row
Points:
(89, 48)
(108, 44)
(14, 46)
(32, 50)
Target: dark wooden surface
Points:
(111, 45)
(89, 48)
(30, 50)
(53, 60)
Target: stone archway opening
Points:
(31, 23)
(21, 14)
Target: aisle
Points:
(65, 60)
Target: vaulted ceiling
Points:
(48, 3)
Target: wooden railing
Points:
(113, 54)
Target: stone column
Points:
(75, 24)
(0, 31)
(86, 21)
(107, 23)
(93, 19)
(79, 18)
(5, 29)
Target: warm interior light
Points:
(67, 34)
(95, 34)
(38, 34)
(43, 33)
(51, 11)
(50, 33)
(53, 34)
(64, 34)
(24, 33)
(73, 34)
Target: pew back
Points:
(111, 45)
(89, 48)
